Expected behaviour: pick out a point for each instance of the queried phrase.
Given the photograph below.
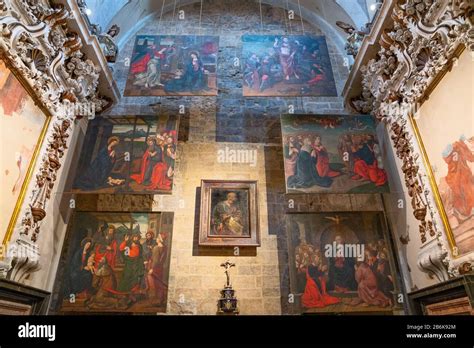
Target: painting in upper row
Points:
(130, 154)
(173, 65)
(273, 65)
(295, 65)
(332, 154)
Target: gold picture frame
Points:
(455, 253)
(241, 227)
(37, 147)
(434, 187)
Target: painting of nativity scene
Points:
(128, 155)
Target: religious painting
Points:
(287, 65)
(128, 154)
(22, 126)
(229, 213)
(173, 65)
(332, 154)
(117, 262)
(444, 129)
(341, 263)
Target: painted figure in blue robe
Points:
(306, 173)
(81, 268)
(341, 271)
(99, 171)
(193, 78)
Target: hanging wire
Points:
(288, 11)
(285, 15)
(161, 14)
(261, 16)
(302, 28)
(301, 17)
(174, 10)
(174, 18)
(200, 19)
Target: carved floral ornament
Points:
(38, 46)
(421, 45)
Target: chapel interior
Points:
(252, 157)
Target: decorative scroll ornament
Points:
(354, 39)
(37, 44)
(420, 45)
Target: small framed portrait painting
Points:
(229, 213)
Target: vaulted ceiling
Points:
(131, 15)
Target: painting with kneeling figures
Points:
(128, 154)
(332, 154)
(173, 65)
(341, 262)
(117, 262)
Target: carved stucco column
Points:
(419, 47)
(37, 44)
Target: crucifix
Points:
(227, 265)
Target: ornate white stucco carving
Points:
(37, 44)
(414, 51)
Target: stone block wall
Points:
(229, 120)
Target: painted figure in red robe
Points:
(322, 159)
(315, 295)
(153, 169)
(366, 164)
(106, 248)
(459, 178)
(368, 288)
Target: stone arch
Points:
(134, 15)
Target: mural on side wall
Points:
(457, 191)
(288, 65)
(130, 154)
(336, 267)
(445, 129)
(118, 262)
(332, 154)
(173, 65)
(21, 126)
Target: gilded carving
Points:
(37, 43)
(414, 51)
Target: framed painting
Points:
(332, 154)
(444, 129)
(23, 126)
(229, 213)
(173, 65)
(128, 154)
(287, 65)
(117, 262)
(341, 263)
